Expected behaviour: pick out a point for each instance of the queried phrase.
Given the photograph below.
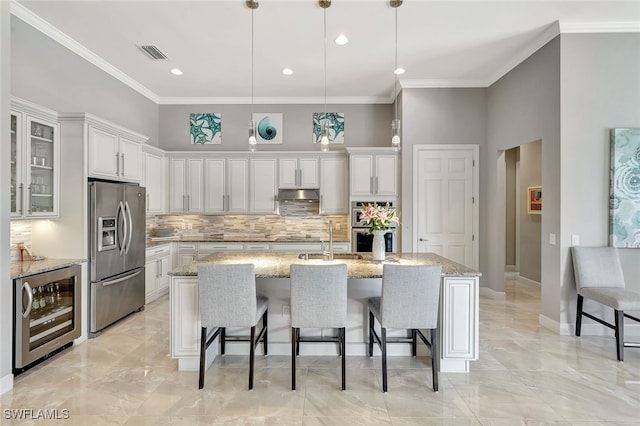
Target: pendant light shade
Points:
(253, 5)
(395, 124)
(324, 133)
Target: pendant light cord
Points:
(252, 10)
(325, 65)
(395, 76)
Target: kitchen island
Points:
(458, 316)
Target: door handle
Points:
(147, 201)
(124, 225)
(26, 286)
(423, 239)
(130, 228)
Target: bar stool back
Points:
(410, 300)
(318, 300)
(227, 298)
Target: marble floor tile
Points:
(526, 375)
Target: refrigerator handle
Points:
(124, 224)
(26, 286)
(119, 280)
(130, 229)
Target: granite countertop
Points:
(258, 239)
(276, 264)
(28, 267)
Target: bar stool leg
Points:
(252, 355)
(203, 352)
(414, 343)
(619, 319)
(343, 346)
(383, 345)
(435, 358)
(264, 326)
(371, 325)
(223, 339)
(293, 358)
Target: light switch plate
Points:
(552, 239)
(575, 240)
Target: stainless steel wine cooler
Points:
(46, 314)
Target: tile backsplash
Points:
(20, 233)
(247, 227)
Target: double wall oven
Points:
(361, 239)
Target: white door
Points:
(386, 175)
(104, 154)
(288, 172)
(238, 184)
(263, 188)
(445, 209)
(214, 186)
(309, 173)
(130, 160)
(153, 182)
(178, 185)
(362, 175)
(195, 185)
(334, 196)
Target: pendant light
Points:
(324, 134)
(253, 5)
(395, 124)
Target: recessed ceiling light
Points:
(341, 40)
(176, 71)
(398, 71)
(287, 71)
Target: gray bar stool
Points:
(228, 299)
(410, 300)
(318, 300)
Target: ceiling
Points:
(440, 43)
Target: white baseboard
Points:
(528, 281)
(588, 329)
(492, 294)
(510, 268)
(6, 383)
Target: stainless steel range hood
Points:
(287, 195)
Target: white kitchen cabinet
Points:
(35, 160)
(186, 253)
(226, 185)
(263, 188)
(374, 173)
(334, 194)
(460, 322)
(297, 247)
(157, 267)
(299, 172)
(114, 152)
(186, 185)
(205, 249)
(154, 181)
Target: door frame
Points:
(475, 185)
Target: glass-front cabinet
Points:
(34, 161)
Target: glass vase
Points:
(378, 249)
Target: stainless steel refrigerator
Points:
(116, 252)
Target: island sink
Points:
(325, 256)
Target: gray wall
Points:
(600, 81)
(437, 116)
(6, 291)
(523, 106)
(48, 74)
(365, 125)
(530, 224)
(511, 157)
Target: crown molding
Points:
(55, 34)
(440, 83)
(599, 27)
(355, 100)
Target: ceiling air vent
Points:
(153, 52)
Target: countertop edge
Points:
(27, 268)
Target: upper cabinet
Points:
(374, 173)
(35, 160)
(299, 172)
(114, 152)
(226, 183)
(263, 190)
(334, 193)
(186, 187)
(154, 179)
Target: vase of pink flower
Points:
(379, 219)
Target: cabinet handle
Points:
(147, 201)
(158, 268)
(29, 210)
(298, 177)
(117, 164)
(184, 205)
(376, 185)
(21, 186)
(188, 202)
(122, 156)
(371, 184)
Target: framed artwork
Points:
(335, 126)
(624, 188)
(534, 200)
(268, 128)
(206, 128)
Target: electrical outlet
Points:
(286, 310)
(337, 228)
(552, 239)
(189, 225)
(184, 226)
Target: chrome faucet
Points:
(330, 240)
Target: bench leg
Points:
(579, 315)
(619, 334)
